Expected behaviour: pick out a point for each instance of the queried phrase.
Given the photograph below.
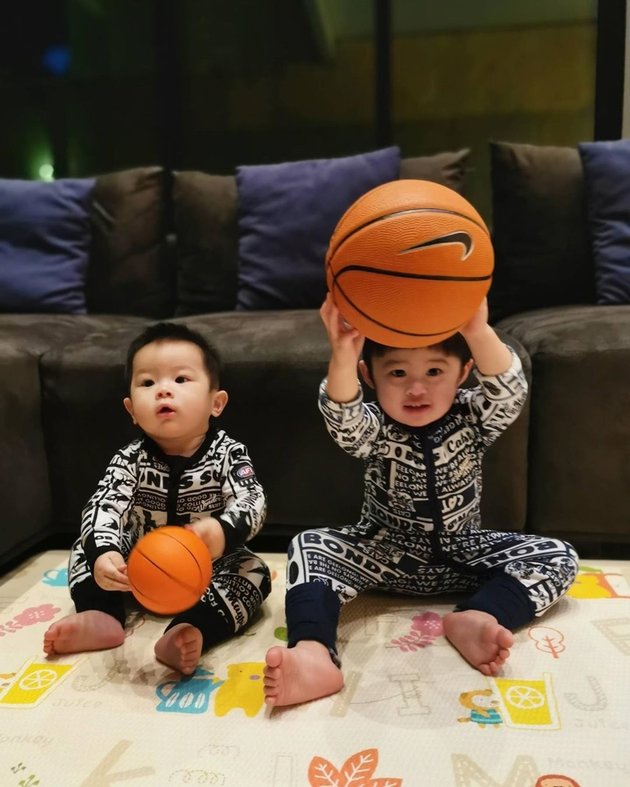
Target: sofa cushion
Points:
(130, 270)
(44, 245)
(308, 479)
(206, 228)
(579, 457)
(607, 177)
(540, 230)
(447, 168)
(287, 213)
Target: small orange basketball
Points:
(409, 263)
(169, 569)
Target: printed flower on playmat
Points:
(356, 771)
(36, 614)
(424, 629)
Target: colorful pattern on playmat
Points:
(412, 712)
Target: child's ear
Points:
(365, 373)
(129, 408)
(219, 402)
(465, 371)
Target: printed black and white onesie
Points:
(144, 488)
(420, 526)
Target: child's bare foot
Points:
(480, 639)
(89, 630)
(180, 647)
(305, 672)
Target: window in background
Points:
(208, 85)
(274, 80)
(463, 73)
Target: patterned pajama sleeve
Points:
(498, 399)
(106, 513)
(355, 426)
(245, 500)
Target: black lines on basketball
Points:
(409, 263)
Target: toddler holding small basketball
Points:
(419, 532)
(182, 471)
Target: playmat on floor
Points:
(412, 711)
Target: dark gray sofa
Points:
(166, 246)
(543, 295)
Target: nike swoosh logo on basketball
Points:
(462, 238)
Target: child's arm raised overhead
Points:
(346, 344)
(491, 355)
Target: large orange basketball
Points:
(409, 263)
(169, 569)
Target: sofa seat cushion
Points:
(273, 364)
(37, 333)
(579, 466)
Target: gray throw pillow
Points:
(205, 215)
(540, 234)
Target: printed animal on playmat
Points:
(243, 688)
(481, 712)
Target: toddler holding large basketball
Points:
(183, 471)
(419, 532)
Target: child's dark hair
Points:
(455, 345)
(175, 332)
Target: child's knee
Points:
(262, 570)
(567, 565)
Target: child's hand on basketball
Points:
(110, 571)
(490, 354)
(478, 323)
(342, 336)
(211, 533)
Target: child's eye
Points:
(181, 378)
(434, 372)
(146, 383)
(398, 373)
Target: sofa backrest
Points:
(166, 244)
(131, 270)
(205, 219)
(543, 253)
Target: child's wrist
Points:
(479, 333)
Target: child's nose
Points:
(417, 387)
(164, 390)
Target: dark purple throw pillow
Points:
(607, 178)
(44, 245)
(286, 215)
